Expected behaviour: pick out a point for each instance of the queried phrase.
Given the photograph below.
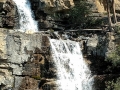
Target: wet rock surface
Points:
(25, 59)
(25, 62)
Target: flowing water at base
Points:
(72, 71)
(26, 17)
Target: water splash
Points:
(72, 70)
(26, 17)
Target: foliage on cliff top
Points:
(79, 13)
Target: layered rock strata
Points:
(50, 6)
(25, 61)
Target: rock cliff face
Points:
(50, 6)
(9, 16)
(25, 59)
(101, 5)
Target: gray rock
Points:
(18, 81)
(92, 41)
(18, 42)
(17, 70)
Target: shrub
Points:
(114, 56)
(79, 14)
(117, 29)
(113, 85)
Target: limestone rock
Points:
(3, 51)
(22, 55)
(25, 83)
(93, 41)
(18, 81)
(21, 46)
(49, 6)
(3, 1)
(117, 5)
(101, 5)
(17, 70)
(6, 78)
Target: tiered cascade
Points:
(72, 71)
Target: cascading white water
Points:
(72, 70)
(26, 17)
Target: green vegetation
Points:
(117, 30)
(36, 77)
(113, 85)
(114, 56)
(94, 23)
(81, 16)
(79, 13)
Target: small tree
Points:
(114, 13)
(79, 13)
(108, 11)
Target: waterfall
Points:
(26, 16)
(72, 71)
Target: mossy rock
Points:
(36, 77)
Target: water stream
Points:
(26, 16)
(72, 71)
